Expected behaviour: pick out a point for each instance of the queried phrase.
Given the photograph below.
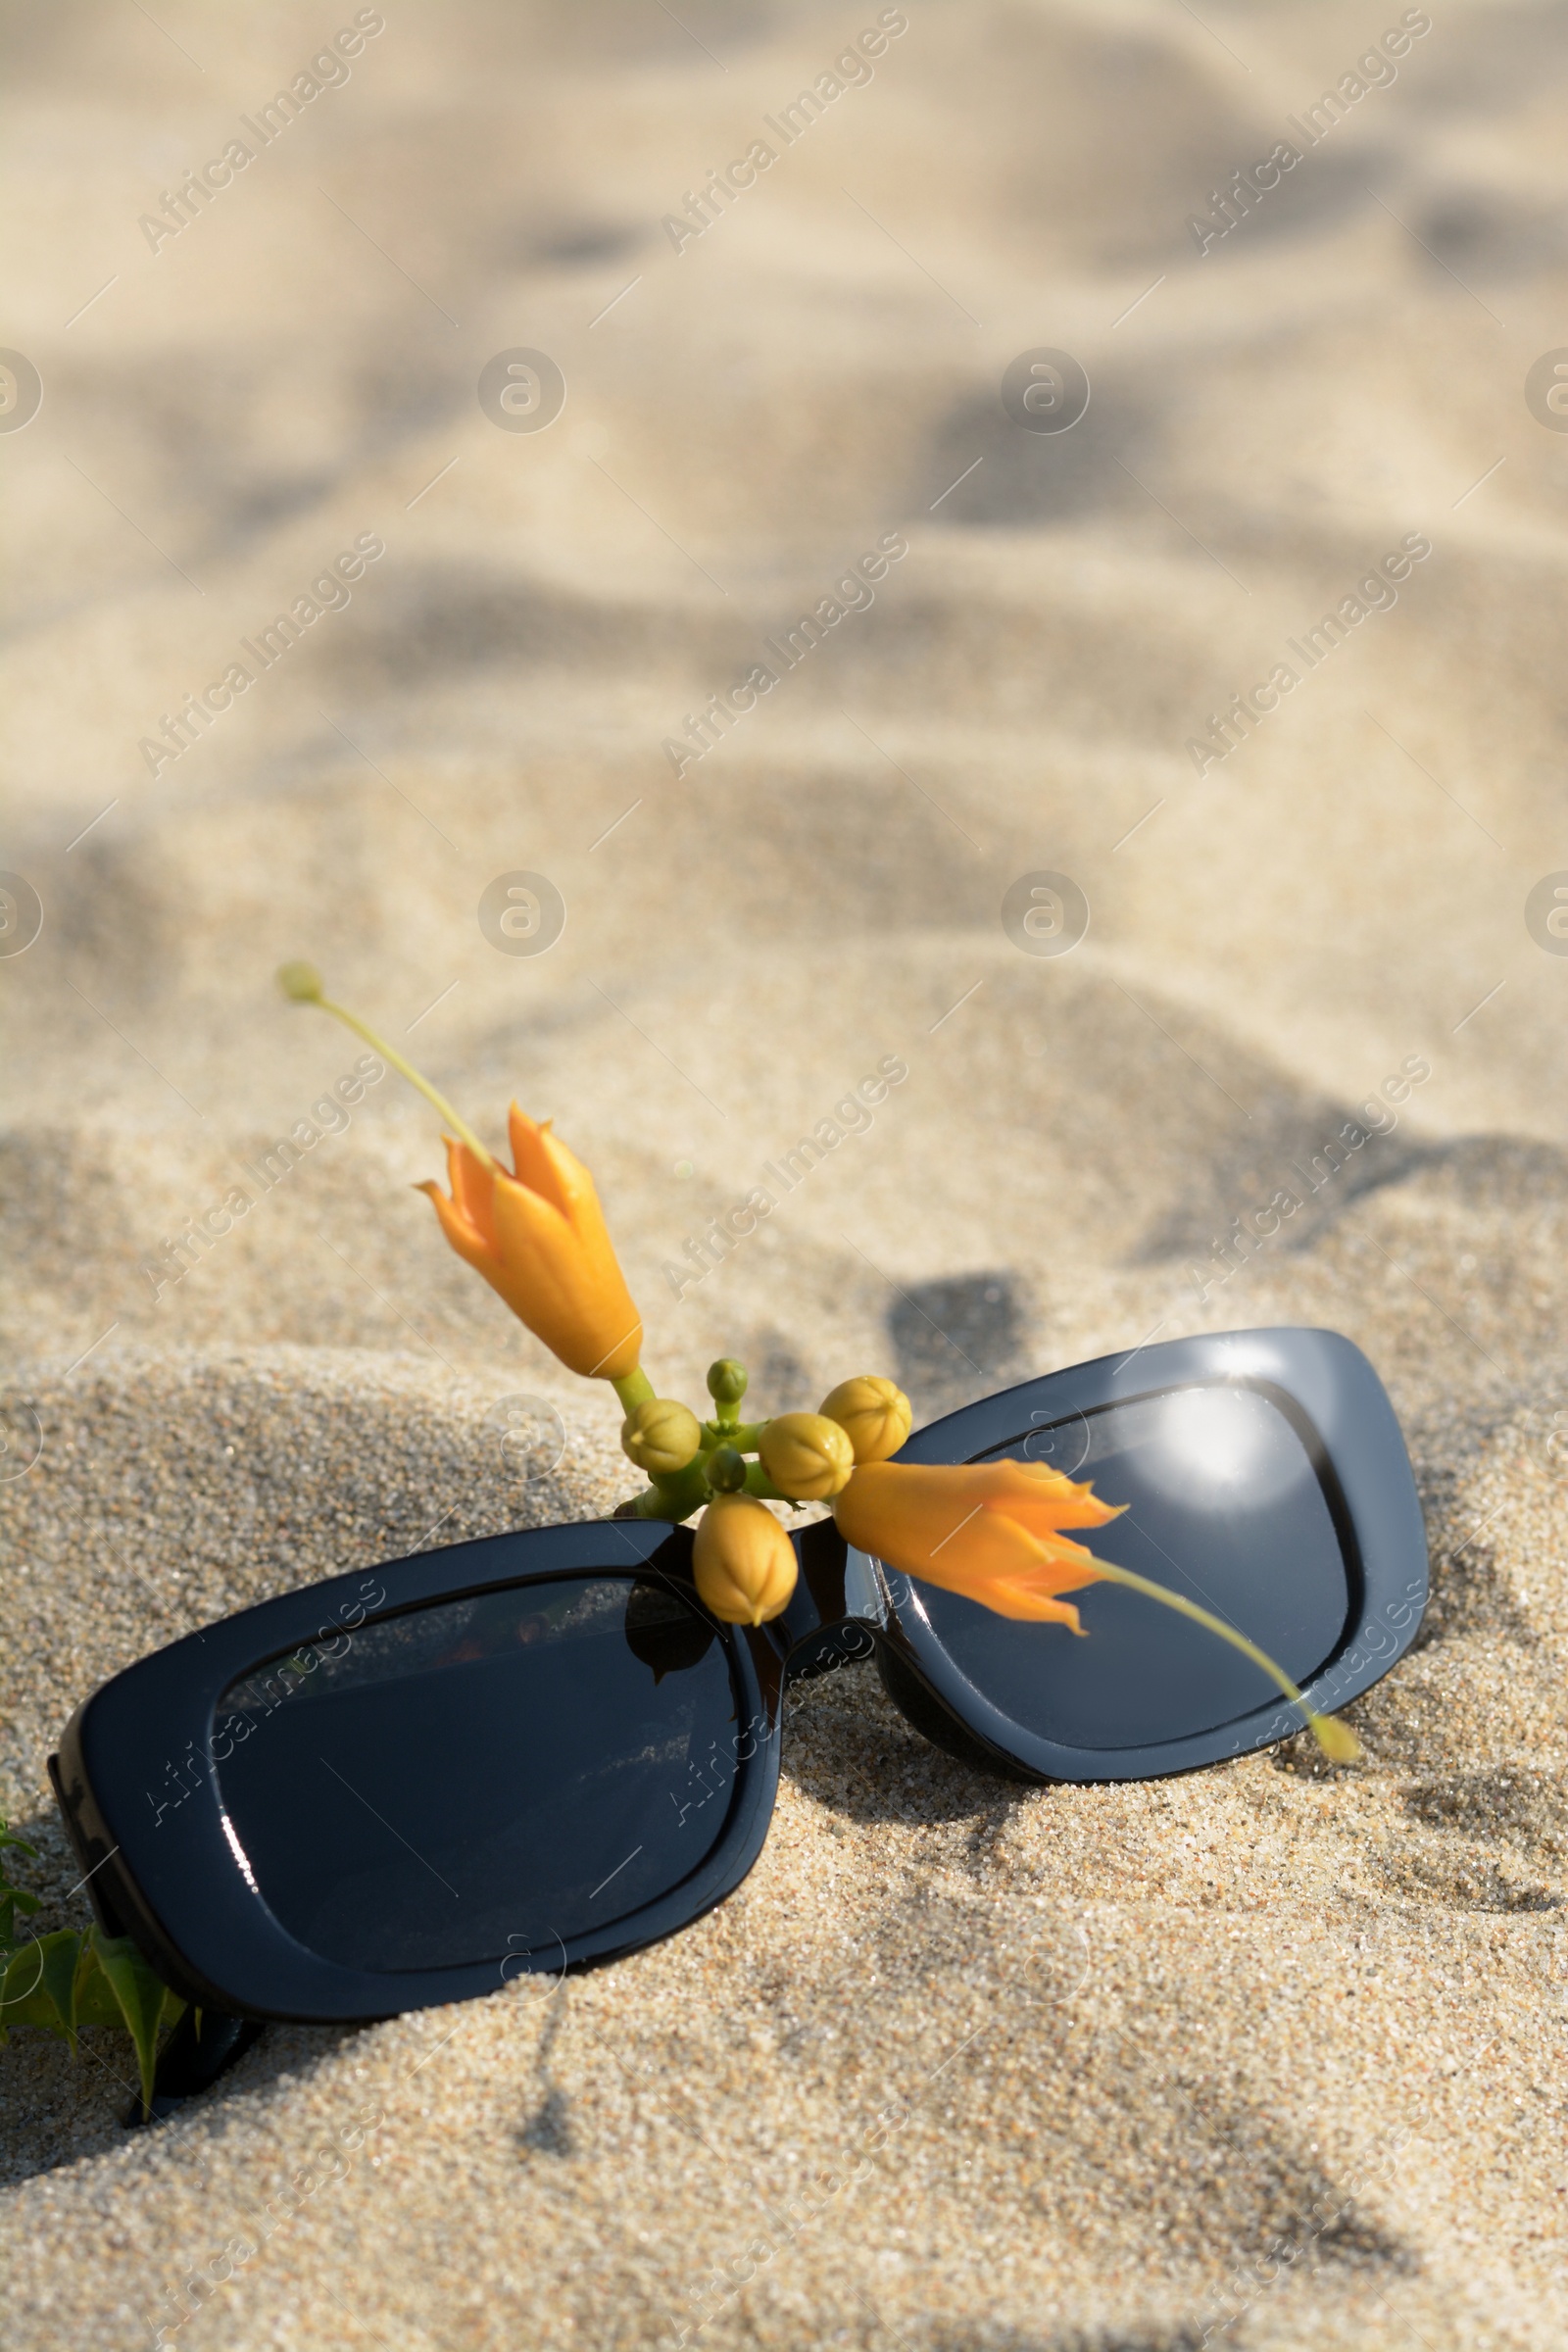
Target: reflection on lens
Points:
(666, 1635)
(1225, 1507)
(482, 1779)
(1222, 1443)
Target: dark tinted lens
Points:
(481, 1777)
(1224, 1506)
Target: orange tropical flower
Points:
(536, 1233)
(988, 1530)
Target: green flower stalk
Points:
(535, 1231)
(993, 1531)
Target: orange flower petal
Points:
(573, 1297)
(538, 1237)
(579, 1200)
(1010, 1596)
(989, 1546)
(532, 1160)
(1041, 1498)
(468, 1245)
(471, 1185)
(961, 1526)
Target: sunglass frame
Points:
(1364, 1469)
(175, 1883)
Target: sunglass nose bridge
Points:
(828, 1618)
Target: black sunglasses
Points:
(538, 1752)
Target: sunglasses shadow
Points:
(847, 1746)
(547, 2130)
(60, 2109)
(1471, 1592)
(58, 2105)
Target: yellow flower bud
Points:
(806, 1456)
(742, 1561)
(661, 1436)
(1336, 1739)
(301, 983)
(874, 1414)
(727, 1381)
(726, 1470)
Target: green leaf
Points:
(12, 1898)
(64, 1980)
(23, 1998)
(61, 1957)
(96, 2004)
(141, 1996)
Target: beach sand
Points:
(1270, 2055)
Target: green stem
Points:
(757, 1481)
(675, 1497)
(405, 1069)
(634, 1388)
(742, 1435)
(651, 1504)
(1227, 1632)
(683, 1491)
